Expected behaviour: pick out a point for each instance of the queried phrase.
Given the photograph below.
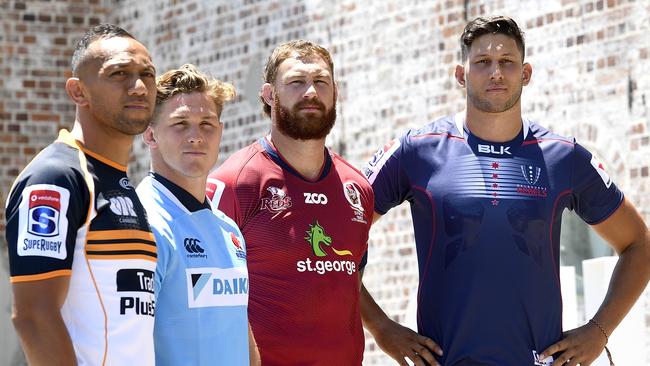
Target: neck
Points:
(193, 185)
(494, 127)
(306, 156)
(111, 145)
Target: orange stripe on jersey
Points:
(40, 276)
(121, 256)
(103, 159)
(120, 246)
(120, 234)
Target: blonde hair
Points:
(188, 79)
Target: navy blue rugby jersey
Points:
(487, 228)
(74, 213)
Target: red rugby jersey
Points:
(305, 244)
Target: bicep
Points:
(40, 297)
(623, 227)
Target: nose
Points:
(194, 136)
(310, 92)
(495, 73)
(139, 88)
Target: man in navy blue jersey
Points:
(487, 190)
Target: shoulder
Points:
(245, 162)
(543, 134)
(347, 171)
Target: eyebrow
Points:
(184, 116)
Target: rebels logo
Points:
(44, 208)
(315, 198)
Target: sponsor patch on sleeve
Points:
(600, 168)
(379, 159)
(42, 221)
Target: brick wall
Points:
(394, 63)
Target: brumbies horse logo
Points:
(316, 236)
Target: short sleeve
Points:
(45, 209)
(384, 172)
(596, 197)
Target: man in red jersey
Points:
(305, 215)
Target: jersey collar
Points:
(184, 198)
(277, 158)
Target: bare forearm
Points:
(628, 281)
(253, 351)
(372, 316)
(44, 339)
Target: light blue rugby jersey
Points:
(201, 280)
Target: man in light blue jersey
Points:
(201, 280)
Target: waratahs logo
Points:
(317, 239)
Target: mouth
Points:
(194, 153)
(496, 89)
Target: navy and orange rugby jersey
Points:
(74, 213)
(305, 243)
(487, 231)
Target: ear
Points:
(460, 75)
(336, 90)
(267, 93)
(75, 91)
(527, 73)
(149, 138)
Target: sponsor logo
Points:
(496, 150)
(136, 280)
(354, 199)
(600, 169)
(124, 183)
(122, 206)
(278, 202)
(42, 221)
(217, 286)
(193, 248)
(316, 237)
(537, 361)
(239, 250)
(44, 211)
(315, 198)
(379, 159)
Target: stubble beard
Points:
(291, 123)
(484, 104)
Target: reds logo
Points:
(278, 202)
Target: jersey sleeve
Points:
(384, 172)
(45, 209)
(596, 197)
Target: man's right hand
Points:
(400, 342)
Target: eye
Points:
(118, 73)
(148, 74)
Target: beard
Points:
(299, 127)
(488, 105)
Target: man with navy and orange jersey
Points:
(81, 254)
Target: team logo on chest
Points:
(239, 251)
(319, 241)
(353, 196)
(277, 202)
(531, 175)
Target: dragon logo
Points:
(316, 236)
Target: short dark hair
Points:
(102, 31)
(498, 24)
(298, 48)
